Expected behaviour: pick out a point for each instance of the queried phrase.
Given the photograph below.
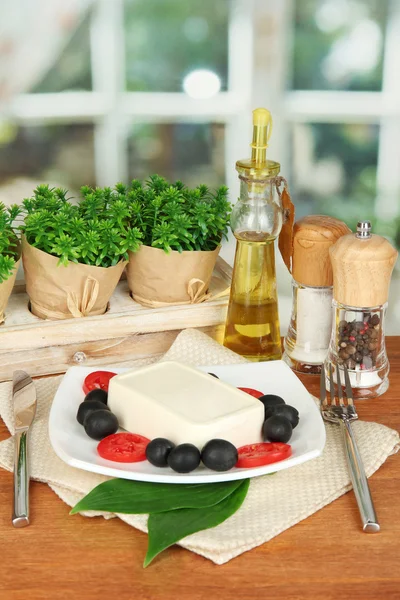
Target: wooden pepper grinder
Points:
(307, 341)
(362, 265)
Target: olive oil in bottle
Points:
(252, 325)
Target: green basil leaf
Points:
(167, 528)
(140, 497)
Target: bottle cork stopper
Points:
(362, 265)
(312, 238)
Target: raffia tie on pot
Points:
(90, 293)
(196, 296)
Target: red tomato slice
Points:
(256, 455)
(252, 392)
(123, 447)
(97, 380)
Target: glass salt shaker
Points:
(307, 341)
(362, 265)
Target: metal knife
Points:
(24, 399)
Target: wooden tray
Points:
(126, 332)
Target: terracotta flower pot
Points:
(59, 292)
(5, 291)
(157, 279)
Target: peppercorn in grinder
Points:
(362, 265)
(307, 340)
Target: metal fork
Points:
(343, 414)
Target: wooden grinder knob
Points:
(313, 236)
(362, 265)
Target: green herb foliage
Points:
(106, 223)
(167, 528)
(175, 511)
(95, 231)
(140, 497)
(9, 247)
(174, 217)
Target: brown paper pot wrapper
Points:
(59, 292)
(158, 279)
(5, 291)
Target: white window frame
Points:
(380, 108)
(258, 61)
(111, 108)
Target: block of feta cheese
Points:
(177, 402)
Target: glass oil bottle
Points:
(252, 326)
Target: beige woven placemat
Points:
(273, 504)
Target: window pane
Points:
(167, 39)
(334, 170)
(71, 70)
(57, 154)
(338, 44)
(193, 153)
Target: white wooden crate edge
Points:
(128, 331)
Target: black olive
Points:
(214, 375)
(87, 407)
(184, 458)
(97, 394)
(219, 455)
(291, 413)
(157, 451)
(270, 401)
(277, 429)
(100, 423)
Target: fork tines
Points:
(347, 385)
(322, 393)
(349, 392)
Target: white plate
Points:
(74, 447)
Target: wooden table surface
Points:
(325, 557)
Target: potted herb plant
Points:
(9, 254)
(182, 230)
(74, 254)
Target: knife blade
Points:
(24, 400)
